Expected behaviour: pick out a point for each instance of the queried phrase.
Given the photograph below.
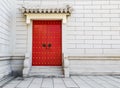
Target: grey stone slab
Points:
(58, 83)
(102, 82)
(5, 81)
(47, 83)
(69, 83)
(110, 81)
(10, 86)
(25, 83)
(80, 83)
(114, 79)
(91, 82)
(13, 83)
(73, 82)
(36, 83)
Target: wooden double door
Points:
(47, 43)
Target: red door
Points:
(47, 43)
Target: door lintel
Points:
(62, 16)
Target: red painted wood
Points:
(47, 32)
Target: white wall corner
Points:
(27, 64)
(66, 68)
(26, 72)
(66, 72)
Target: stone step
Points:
(46, 67)
(46, 71)
(46, 75)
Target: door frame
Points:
(28, 55)
(29, 39)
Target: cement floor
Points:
(72, 82)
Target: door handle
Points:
(49, 45)
(43, 45)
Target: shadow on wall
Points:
(17, 66)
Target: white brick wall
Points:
(93, 27)
(5, 36)
(94, 67)
(101, 26)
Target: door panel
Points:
(47, 43)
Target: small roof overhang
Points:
(35, 12)
(45, 10)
